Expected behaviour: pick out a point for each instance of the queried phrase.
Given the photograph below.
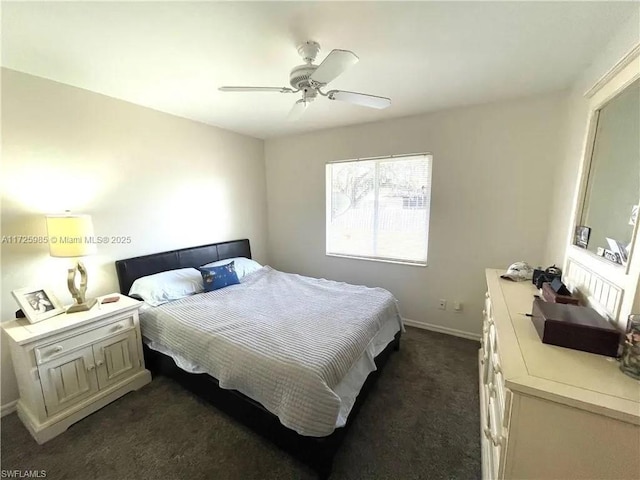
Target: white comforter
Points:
(283, 340)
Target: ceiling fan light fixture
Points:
(298, 109)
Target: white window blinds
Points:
(378, 209)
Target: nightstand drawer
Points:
(54, 350)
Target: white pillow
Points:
(166, 286)
(243, 265)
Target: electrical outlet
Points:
(457, 307)
(442, 305)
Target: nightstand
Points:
(71, 365)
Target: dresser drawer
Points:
(494, 441)
(496, 437)
(500, 394)
(488, 308)
(493, 338)
(484, 340)
(56, 349)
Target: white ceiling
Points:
(172, 56)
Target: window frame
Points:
(329, 199)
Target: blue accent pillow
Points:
(214, 278)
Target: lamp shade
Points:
(70, 235)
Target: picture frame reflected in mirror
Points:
(582, 235)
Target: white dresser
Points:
(549, 412)
(69, 366)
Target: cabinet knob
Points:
(99, 363)
(91, 367)
(119, 327)
(59, 348)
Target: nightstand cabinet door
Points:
(116, 358)
(68, 379)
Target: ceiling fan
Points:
(310, 79)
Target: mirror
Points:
(610, 208)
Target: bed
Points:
(279, 416)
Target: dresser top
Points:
(576, 378)
(21, 331)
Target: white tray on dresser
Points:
(547, 411)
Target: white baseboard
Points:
(441, 329)
(8, 408)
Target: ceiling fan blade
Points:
(360, 99)
(298, 109)
(336, 62)
(256, 89)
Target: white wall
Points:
(490, 198)
(165, 181)
(577, 112)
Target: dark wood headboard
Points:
(131, 269)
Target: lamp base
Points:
(82, 307)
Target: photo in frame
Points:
(582, 236)
(612, 256)
(618, 248)
(37, 304)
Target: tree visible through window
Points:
(379, 208)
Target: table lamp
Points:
(72, 236)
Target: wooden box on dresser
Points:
(71, 365)
(549, 412)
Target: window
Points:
(378, 209)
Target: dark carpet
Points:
(421, 421)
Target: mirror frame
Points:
(588, 160)
(610, 85)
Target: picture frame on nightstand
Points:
(37, 304)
